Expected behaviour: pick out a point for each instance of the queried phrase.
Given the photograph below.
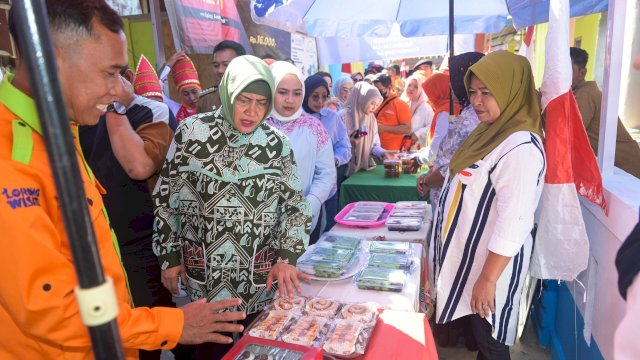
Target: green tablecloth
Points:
(373, 186)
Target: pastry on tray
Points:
(271, 325)
(305, 330)
(283, 303)
(364, 313)
(342, 340)
(322, 307)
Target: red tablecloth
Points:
(402, 335)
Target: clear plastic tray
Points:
(404, 223)
(381, 279)
(412, 204)
(256, 351)
(408, 212)
(390, 247)
(391, 261)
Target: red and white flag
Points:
(561, 248)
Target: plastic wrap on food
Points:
(412, 205)
(263, 352)
(270, 324)
(341, 242)
(381, 279)
(404, 223)
(390, 247)
(306, 331)
(327, 262)
(362, 217)
(399, 212)
(391, 261)
(322, 307)
(284, 303)
(366, 313)
(343, 338)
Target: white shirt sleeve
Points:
(517, 178)
(324, 180)
(421, 122)
(442, 126)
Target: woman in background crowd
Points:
(315, 96)
(421, 111)
(437, 89)
(362, 127)
(310, 142)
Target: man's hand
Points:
(203, 321)
(170, 278)
(124, 92)
(287, 277)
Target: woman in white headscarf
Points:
(362, 127)
(340, 90)
(421, 111)
(310, 142)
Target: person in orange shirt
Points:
(393, 115)
(38, 310)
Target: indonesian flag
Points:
(561, 248)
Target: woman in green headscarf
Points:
(481, 243)
(230, 215)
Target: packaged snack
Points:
(366, 313)
(322, 307)
(284, 303)
(404, 223)
(324, 260)
(391, 261)
(363, 217)
(341, 242)
(343, 338)
(390, 247)
(408, 212)
(324, 252)
(305, 331)
(322, 268)
(373, 278)
(392, 168)
(412, 205)
(270, 325)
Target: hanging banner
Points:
(266, 41)
(202, 24)
(304, 54)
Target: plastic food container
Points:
(341, 242)
(381, 279)
(392, 168)
(407, 212)
(390, 247)
(404, 223)
(412, 205)
(390, 261)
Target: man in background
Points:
(393, 115)
(589, 98)
(223, 53)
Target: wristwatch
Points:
(117, 108)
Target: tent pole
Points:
(451, 52)
(37, 53)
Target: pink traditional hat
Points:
(146, 82)
(185, 74)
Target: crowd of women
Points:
(261, 171)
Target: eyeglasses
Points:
(357, 79)
(316, 97)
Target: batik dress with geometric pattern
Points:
(229, 206)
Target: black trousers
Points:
(211, 351)
(489, 348)
(143, 275)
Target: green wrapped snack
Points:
(341, 242)
(391, 261)
(381, 279)
(390, 247)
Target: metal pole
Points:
(451, 106)
(158, 34)
(37, 53)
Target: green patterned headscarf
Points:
(245, 72)
(509, 78)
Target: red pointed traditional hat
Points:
(185, 74)
(146, 82)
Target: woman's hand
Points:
(422, 186)
(287, 277)
(172, 60)
(483, 297)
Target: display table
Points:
(373, 186)
(346, 290)
(402, 335)
(381, 233)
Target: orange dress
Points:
(38, 309)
